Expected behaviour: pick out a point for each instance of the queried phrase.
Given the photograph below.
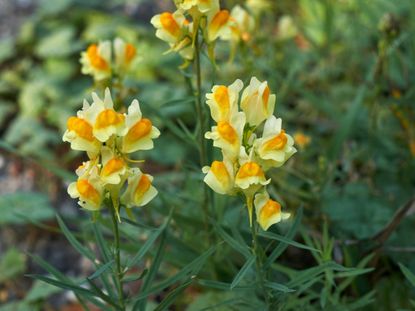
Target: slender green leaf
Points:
(172, 296)
(280, 238)
(242, 249)
(245, 268)
(74, 242)
(101, 270)
(282, 246)
(278, 287)
(408, 274)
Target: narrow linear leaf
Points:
(101, 295)
(245, 268)
(240, 248)
(282, 246)
(280, 238)
(222, 285)
(408, 274)
(278, 287)
(172, 296)
(189, 270)
(74, 242)
(101, 270)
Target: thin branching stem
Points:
(117, 254)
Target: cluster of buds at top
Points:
(108, 137)
(108, 58)
(180, 28)
(246, 154)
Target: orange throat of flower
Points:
(250, 169)
(95, 58)
(81, 127)
(227, 132)
(169, 24)
(108, 117)
(87, 191)
(276, 143)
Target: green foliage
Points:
(12, 264)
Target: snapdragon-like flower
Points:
(105, 59)
(247, 156)
(108, 137)
(198, 7)
(219, 26)
(244, 25)
(175, 29)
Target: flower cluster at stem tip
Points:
(180, 28)
(108, 137)
(247, 155)
(106, 59)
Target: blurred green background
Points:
(344, 75)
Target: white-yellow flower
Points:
(286, 28)
(125, 54)
(107, 121)
(88, 188)
(220, 176)
(96, 60)
(171, 27)
(250, 177)
(223, 101)
(113, 167)
(219, 26)
(201, 6)
(227, 135)
(268, 212)
(79, 134)
(244, 24)
(258, 6)
(275, 147)
(257, 102)
(140, 131)
(140, 191)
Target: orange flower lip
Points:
(112, 166)
(221, 173)
(250, 169)
(169, 24)
(221, 96)
(107, 118)
(227, 132)
(141, 129)
(87, 191)
(270, 209)
(95, 59)
(130, 52)
(277, 143)
(220, 19)
(142, 187)
(81, 127)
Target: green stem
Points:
(257, 251)
(202, 126)
(118, 276)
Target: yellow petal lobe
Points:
(276, 143)
(141, 129)
(107, 118)
(95, 59)
(112, 166)
(87, 191)
(81, 127)
(227, 132)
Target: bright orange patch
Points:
(142, 187)
(250, 169)
(95, 59)
(87, 191)
(276, 143)
(141, 129)
(221, 96)
(301, 139)
(107, 118)
(271, 208)
(169, 24)
(221, 173)
(129, 52)
(112, 166)
(265, 96)
(227, 132)
(81, 127)
(219, 20)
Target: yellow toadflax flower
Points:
(257, 102)
(246, 158)
(140, 191)
(174, 29)
(227, 135)
(198, 6)
(125, 55)
(219, 26)
(275, 147)
(244, 24)
(97, 60)
(220, 176)
(223, 101)
(108, 137)
(302, 140)
(268, 212)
